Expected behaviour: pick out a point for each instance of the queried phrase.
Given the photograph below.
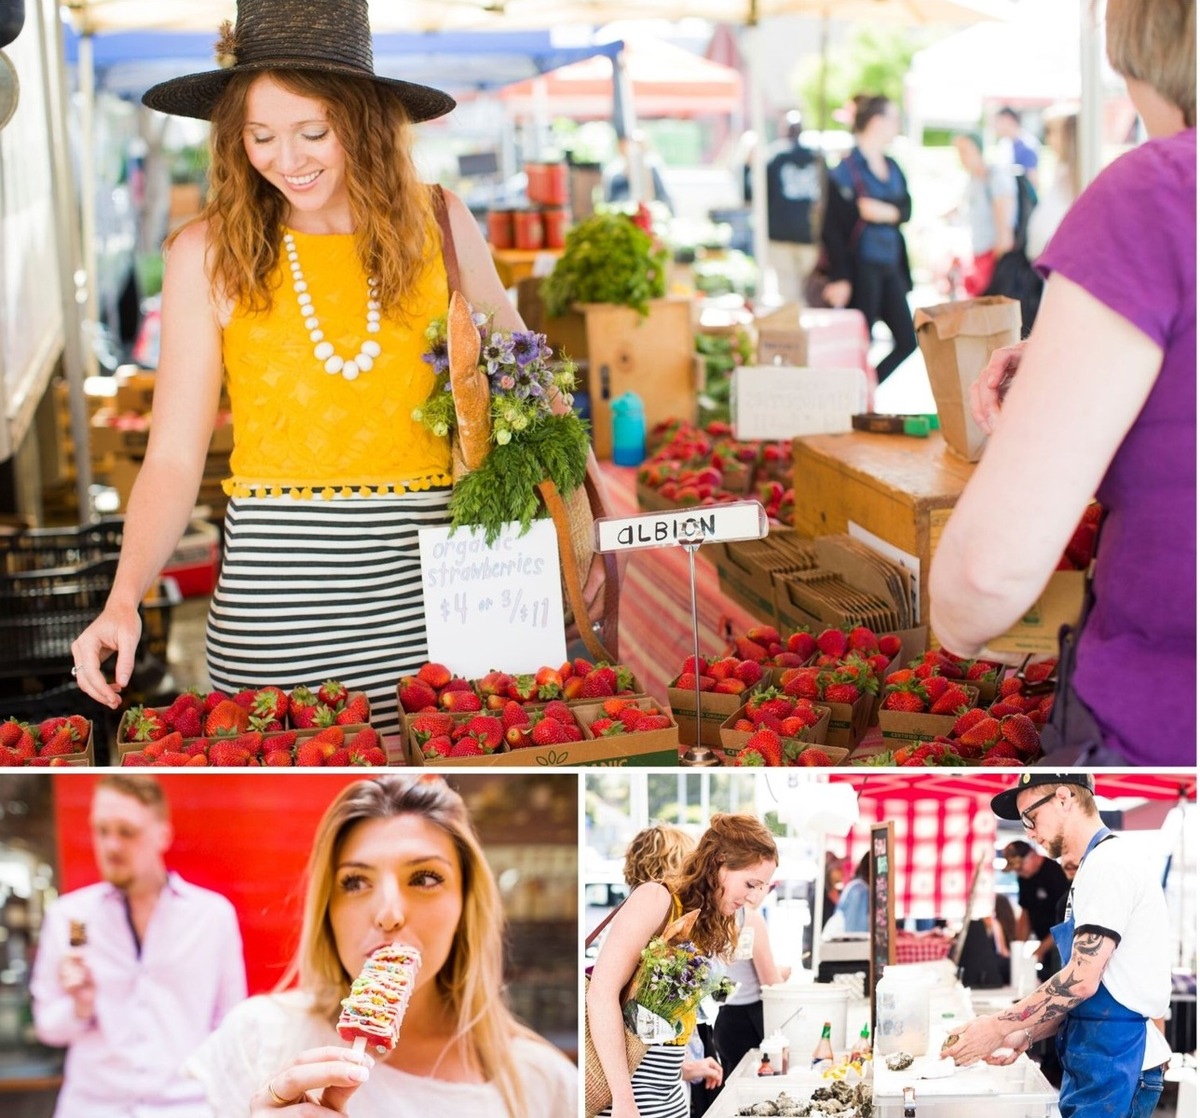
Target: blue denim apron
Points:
(1102, 1043)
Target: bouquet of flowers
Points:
(671, 981)
(531, 440)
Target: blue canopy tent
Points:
(127, 63)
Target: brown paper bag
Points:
(957, 339)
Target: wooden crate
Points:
(901, 489)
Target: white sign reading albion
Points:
(737, 520)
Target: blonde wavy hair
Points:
(1156, 43)
(394, 228)
(470, 978)
(656, 854)
(732, 842)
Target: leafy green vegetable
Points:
(607, 258)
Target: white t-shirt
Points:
(1116, 892)
(261, 1036)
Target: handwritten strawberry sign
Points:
(493, 608)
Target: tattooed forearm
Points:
(1060, 993)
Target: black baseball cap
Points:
(1005, 804)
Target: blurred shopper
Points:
(795, 186)
(990, 207)
(656, 853)
(1117, 979)
(867, 202)
(1041, 884)
(1058, 194)
(853, 911)
(1103, 404)
(730, 867)
(1019, 149)
(635, 157)
(394, 861)
(159, 968)
(739, 1026)
(834, 875)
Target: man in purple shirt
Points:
(134, 972)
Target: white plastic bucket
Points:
(800, 1010)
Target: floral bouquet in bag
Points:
(495, 392)
(672, 979)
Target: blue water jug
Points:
(628, 430)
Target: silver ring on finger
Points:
(74, 671)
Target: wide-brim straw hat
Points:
(329, 36)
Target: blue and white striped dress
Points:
(658, 1087)
(322, 589)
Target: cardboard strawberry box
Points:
(848, 722)
(84, 756)
(911, 726)
(734, 741)
(714, 710)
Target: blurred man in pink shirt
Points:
(159, 966)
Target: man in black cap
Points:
(1041, 885)
(1103, 1002)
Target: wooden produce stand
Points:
(650, 355)
(899, 488)
(516, 264)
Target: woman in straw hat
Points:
(310, 276)
(731, 866)
(394, 861)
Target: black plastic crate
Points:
(43, 611)
(42, 549)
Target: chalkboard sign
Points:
(493, 608)
(883, 907)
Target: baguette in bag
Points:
(468, 384)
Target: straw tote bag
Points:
(597, 1093)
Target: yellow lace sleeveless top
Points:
(301, 430)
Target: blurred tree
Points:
(874, 60)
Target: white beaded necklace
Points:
(323, 351)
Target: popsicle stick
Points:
(360, 1045)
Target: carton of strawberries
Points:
(442, 736)
(774, 728)
(325, 726)
(56, 741)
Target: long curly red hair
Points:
(732, 842)
(394, 228)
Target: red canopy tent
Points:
(944, 826)
(667, 80)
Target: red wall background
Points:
(244, 835)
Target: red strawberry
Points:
(814, 757)
(730, 686)
(549, 683)
(48, 727)
(11, 731)
(467, 747)
(425, 726)
(196, 745)
(802, 644)
(952, 701)
(982, 669)
(366, 738)
(1041, 671)
(902, 699)
(175, 759)
(514, 714)
(723, 668)
(750, 758)
(748, 672)
(284, 741)
(748, 649)
(415, 694)
(301, 702)
(460, 701)
(968, 719)
(245, 698)
(277, 758)
(170, 743)
(437, 746)
(803, 684)
(372, 756)
(270, 703)
(861, 639)
(338, 759)
(833, 642)
(984, 732)
(695, 665)
(134, 760)
(655, 722)
(227, 718)
(61, 742)
(228, 753)
(144, 724)
(688, 682)
(213, 699)
(357, 709)
(1020, 731)
(309, 754)
(189, 722)
(332, 693)
(842, 693)
(1005, 750)
(436, 675)
(559, 711)
(766, 635)
(200, 760)
(489, 731)
(935, 686)
(601, 725)
(330, 738)
(768, 743)
(889, 645)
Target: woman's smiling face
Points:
(745, 886)
(396, 880)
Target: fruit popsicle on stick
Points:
(373, 1012)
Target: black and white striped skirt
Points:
(658, 1087)
(312, 590)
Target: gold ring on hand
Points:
(277, 1098)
